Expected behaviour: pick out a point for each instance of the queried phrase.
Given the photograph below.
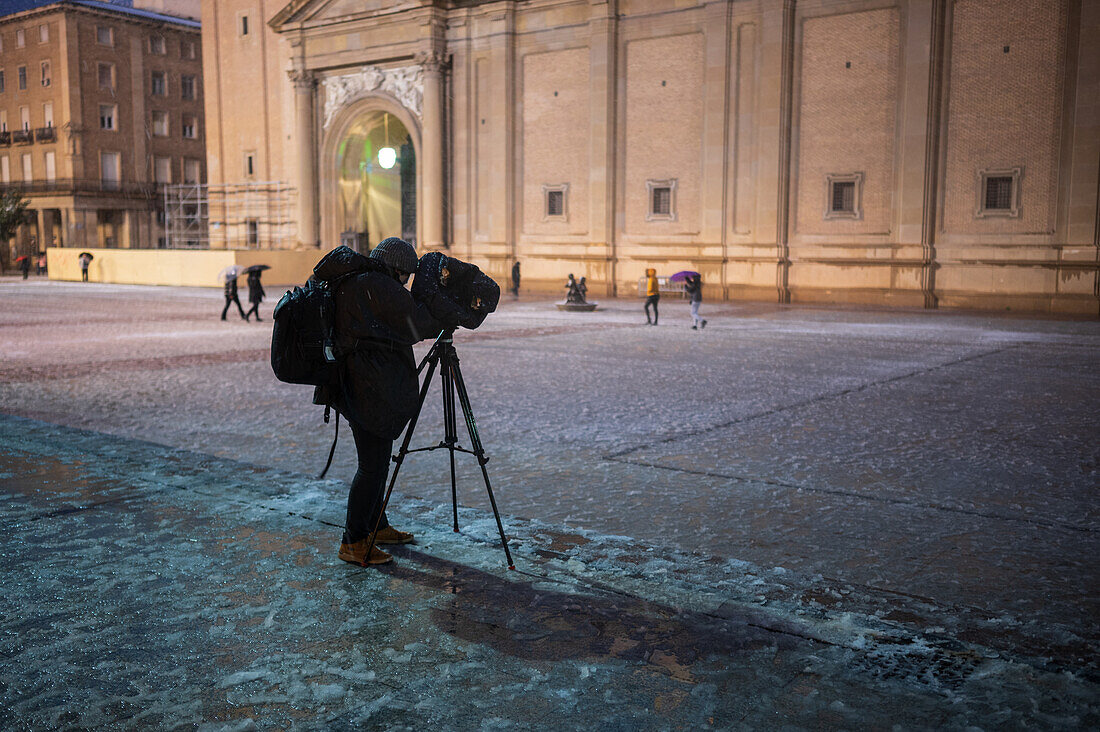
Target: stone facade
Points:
(906, 152)
(121, 112)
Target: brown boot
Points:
(390, 535)
(357, 554)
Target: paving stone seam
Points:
(870, 497)
(689, 434)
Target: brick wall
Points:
(846, 121)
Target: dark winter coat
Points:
(255, 289)
(694, 288)
(377, 322)
(231, 289)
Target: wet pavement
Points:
(801, 517)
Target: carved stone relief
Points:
(404, 84)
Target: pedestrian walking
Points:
(694, 288)
(652, 295)
(255, 295)
(231, 297)
(25, 266)
(85, 260)
(515, 279)
(41, 264)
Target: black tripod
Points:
(444, 355)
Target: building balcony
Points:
(22, 137)
(5, 138)
(45, 134)
(86, 186)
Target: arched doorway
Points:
(374, 192)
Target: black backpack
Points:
(303, 341)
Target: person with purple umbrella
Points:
(693, 286)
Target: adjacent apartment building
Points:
(910, 152)
(100, 105)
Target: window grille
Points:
(998, 193)
(662, 201)
(844, 197)
(555, 203)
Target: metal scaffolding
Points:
(230, 216)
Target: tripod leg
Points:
(450, 428)
(479, 451)
(404, 449)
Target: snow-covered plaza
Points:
(802, 516)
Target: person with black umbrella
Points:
(230, 275)
(255, 289)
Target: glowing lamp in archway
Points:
(387, 156)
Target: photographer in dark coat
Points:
(377, 322)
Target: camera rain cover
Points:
(468, 295)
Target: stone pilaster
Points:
(431, 155)
(305, 83)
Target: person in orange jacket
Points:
(652, 295)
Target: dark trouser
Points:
(651, 300)
(254, 309)
(368, 487)
(84, 275)
(228, 302)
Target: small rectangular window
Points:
(555, 203)
(47, 114)
(24, 118)
(46, 76)
(661, 205)
(253, 227)
(188, 128)
(244, 25)
(107, 114)
(157, 45)
(160, 84)
(187, 49)
(162, 170)
(43, 33)
(104, 35)
(106, 75)
(160, 124)
(998, 193)
(22, 78)
(28, 174)
(20, 38)
(250, 164)
(192, 170)
(844, 197)
(662, 201)
(187, 87)
(1, 81)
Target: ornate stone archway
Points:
(346, 100)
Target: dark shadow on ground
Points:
(533, 623)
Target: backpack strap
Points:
(335, 437)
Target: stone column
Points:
(304, 84)
(431, 154)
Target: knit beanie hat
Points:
(398, 254)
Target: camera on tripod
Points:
(456, 292)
